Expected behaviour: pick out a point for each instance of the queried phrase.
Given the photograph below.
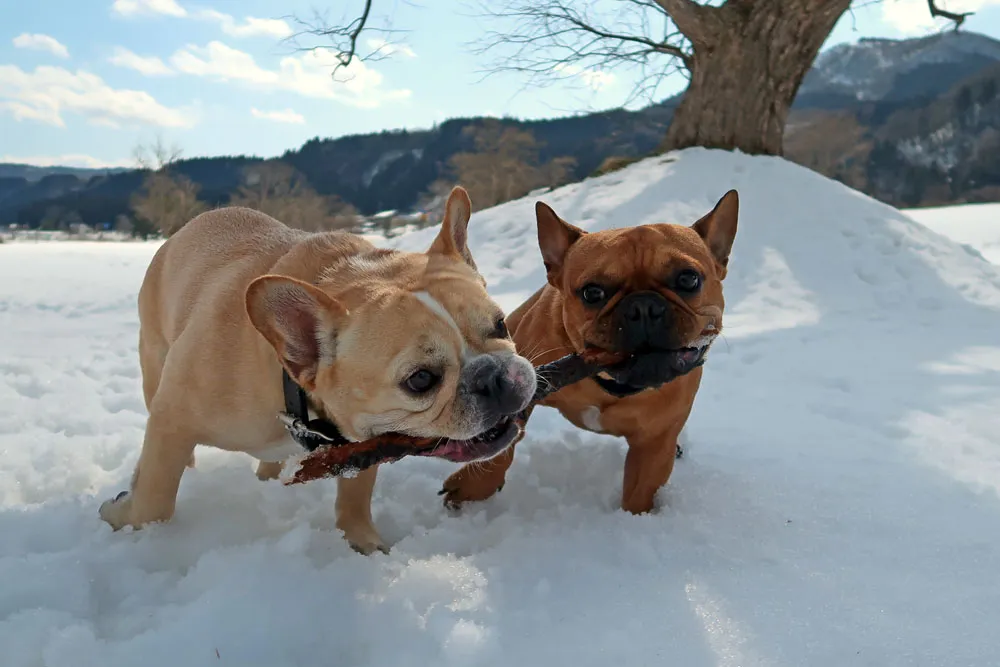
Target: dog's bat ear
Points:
(718, 228)
(555, 236)
(453, 238)
(299, 320)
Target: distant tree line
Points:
(503, 164)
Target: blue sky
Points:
(82, 82)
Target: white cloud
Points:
(913, 17)
(69, 160)
(308, 75)
(389, 48)
(45, 94)
(41, 43)
(593, 78)
(148, 65)
(282, 116)
(134, 7)
(250, 27)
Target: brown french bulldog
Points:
(649, 295)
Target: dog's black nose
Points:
(645, 321)
(495, 391)
(645, 307)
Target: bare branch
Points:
(560, 40)
(343, 37)
(689, 17)
(157, 155)
(957, 17)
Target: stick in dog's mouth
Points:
(348, 459)
(487, 444)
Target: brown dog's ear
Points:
(454, 235)
(299, 320)
(718, 228)
(555, 236)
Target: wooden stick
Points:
(346, 460)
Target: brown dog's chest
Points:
(590, 408)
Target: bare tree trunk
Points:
(749, 59)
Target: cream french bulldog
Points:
(380, 340)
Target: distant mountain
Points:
(910, 122)
(31, 173)
(944, 150)
(890, 70)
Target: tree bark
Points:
(750, 57)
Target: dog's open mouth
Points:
(648, 369)
(486, 445)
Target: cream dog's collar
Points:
(309, 433)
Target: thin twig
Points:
(566, 40)
(343, 38)
(957, 17)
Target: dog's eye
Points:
(688, 280)
(500, 330)
(592, 294)
(422, 381)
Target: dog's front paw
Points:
(470, 484)
(115, 512)
(363, 538)
(268, 470)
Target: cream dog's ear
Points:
(453, 238)
(299, 320)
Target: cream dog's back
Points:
(380, 340)
(194, 290)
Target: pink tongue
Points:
(448, 448)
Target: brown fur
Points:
(235, 295)
(554, 322)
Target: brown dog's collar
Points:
(617, 389)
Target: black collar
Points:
(310, 433)
(616, 389)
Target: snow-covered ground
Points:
(976, 225)
(839, 503)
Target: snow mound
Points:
(836, 506)
(977, 226)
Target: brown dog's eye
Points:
(688, 280)
(422, 381)
(500, 330)
(592, 294)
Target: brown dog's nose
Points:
(648, 307)
(645, 321)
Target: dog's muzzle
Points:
(653, 368)
(645, 322)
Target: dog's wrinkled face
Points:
(403, 342)
(650, 295)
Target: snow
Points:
(838, 503)
(975, 225)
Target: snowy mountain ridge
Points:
(878, 68)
